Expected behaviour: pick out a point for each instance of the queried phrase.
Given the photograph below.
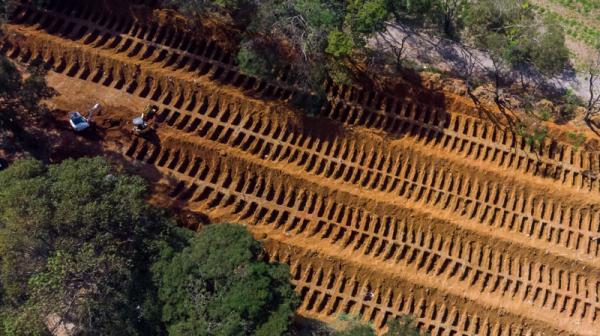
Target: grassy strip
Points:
(573, 27)
(580, 6)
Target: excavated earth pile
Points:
(381, 206)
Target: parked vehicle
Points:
(78, 122)
(140, 124)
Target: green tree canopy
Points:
(217, 286)
(445, 15)
(511, 31)
(550, 54)
(297, 32)
(20, 98)
(367, 16)
(356, 330)
(339, 44)
(196, 8)
(76, 244)
(404, 326)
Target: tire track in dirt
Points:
(461, 135)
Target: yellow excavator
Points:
(141, 125)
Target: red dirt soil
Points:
(435, 211)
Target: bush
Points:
(545, 113)
(567, 111)
(356, 330)
(404, 326)
(532, 135)
(339, 44)
(253, 61)
(196, 8)
(576, 139)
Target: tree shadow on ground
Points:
(303, 326)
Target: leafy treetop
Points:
(76, 244)
(217, 286)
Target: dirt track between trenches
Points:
(440, 214)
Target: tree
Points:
(495, 44)
(312, 38)
(527, 41)
(443, 15)
(549, 54)
(404, 326)
(218, 286)
(356, 329)
(20, 98)
(76, 244)
(297, 33)
(365, 17)
(592, 71)
(339, 44)
(415, 11)
(517, 40)
(197, 8)
(447, 14)
(254, 59)
(8, 6)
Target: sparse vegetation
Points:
(545, 113)
(573, 26)
(404, 326)
(356, 329)
(316, 39)
(533, 135)
(576, 139)
(567, 110)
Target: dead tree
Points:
(593, 72)
(468, 65)
(395, 46)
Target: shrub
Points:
(576, 139)
(545, 113)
